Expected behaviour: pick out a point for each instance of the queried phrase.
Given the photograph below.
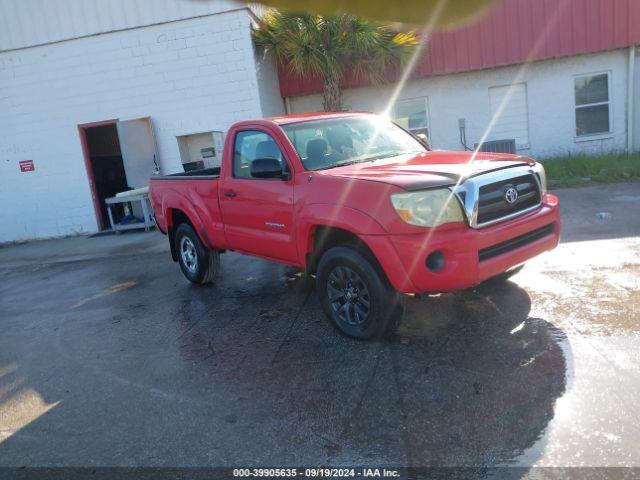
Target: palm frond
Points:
(328, 46)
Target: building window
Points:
(413, 115)
(593, 106)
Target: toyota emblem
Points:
(511, 195)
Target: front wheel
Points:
(197, 263)
(355, 296)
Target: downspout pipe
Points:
(631, 85)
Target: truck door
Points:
(257, 212)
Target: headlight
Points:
(539, 169)
(428, 208)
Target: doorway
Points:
(119, 155)
(105, 166)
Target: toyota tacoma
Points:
(362, 205)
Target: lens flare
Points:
(415, 56)
(411, 64)
(518, 78)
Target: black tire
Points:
(355, 296)
(197, 263)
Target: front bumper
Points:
(471, 255)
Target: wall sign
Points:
(27, 166)
(208, 152)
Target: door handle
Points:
(230, 194)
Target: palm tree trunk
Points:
(332, 94)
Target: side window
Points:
(412, 115)
(250, 145)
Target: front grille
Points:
(492, 204)
(514, 243)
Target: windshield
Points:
(334, 142)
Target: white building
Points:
(534, 105)
(72, 72)
(91, 92)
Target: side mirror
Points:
(268, 168)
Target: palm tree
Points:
(329, 46)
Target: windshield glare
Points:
(330, 143)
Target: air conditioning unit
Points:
(498, 146)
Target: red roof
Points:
(513, 32)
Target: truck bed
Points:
(205, 173)
(194, 194)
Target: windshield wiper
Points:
(378, 157)
(340, 164)
(344, 163)
(386, 155)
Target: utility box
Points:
(200, 150)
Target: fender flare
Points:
(350, 219)
(190, 208)
(360, 224)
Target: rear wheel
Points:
(197, 263)
(355, 296)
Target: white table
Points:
(147, 212)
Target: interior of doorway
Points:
(105, 167)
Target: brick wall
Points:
(189, 76)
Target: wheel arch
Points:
(351, 227)
(176, 217)
(324, 237)
(321, 226)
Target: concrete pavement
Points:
(108, 357)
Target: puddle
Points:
(594, 286)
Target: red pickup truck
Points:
(364, 206)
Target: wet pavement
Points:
(108, 357)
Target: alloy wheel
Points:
(348, 296)
(188, 254)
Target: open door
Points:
(138, 148)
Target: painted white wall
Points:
(636, 102)
(268, 86)
(26, 23)
(550, 103)
(189, 76)
(509, 106)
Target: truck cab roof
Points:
(310, 116)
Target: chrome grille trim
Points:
(468, 193)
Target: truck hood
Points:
(432, 169)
